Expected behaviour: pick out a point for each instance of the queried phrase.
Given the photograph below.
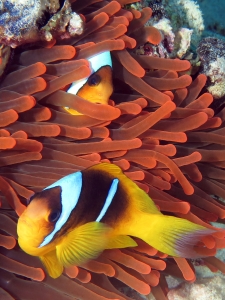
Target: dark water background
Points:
(214, 17)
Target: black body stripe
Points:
(95, 188)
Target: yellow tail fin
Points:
(174, 236)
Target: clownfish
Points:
(82, 214)
(98, 87)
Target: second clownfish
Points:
(76, 218)
(98, 87)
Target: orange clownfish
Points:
(76, 218)
(98, 87)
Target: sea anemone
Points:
(158, 127)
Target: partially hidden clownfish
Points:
(76, 218)
(98, 87)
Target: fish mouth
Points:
(24, 222)
(24, 227)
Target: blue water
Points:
(214, 17)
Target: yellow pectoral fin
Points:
(52, 265)
(120, 241)
(83, 243)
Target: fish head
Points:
(98, 87)
(38, 221)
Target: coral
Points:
(180, 28)
(212, 56)
(5, 55)
(158, 128)
(182, 42)
(30, 21)
(158, 9)
(187, 14)
(202, 289)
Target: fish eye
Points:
(94, 80)
(53, 216)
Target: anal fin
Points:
(52, 265)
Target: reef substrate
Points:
(158, 127)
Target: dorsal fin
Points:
(138, 197)
(110, 168)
